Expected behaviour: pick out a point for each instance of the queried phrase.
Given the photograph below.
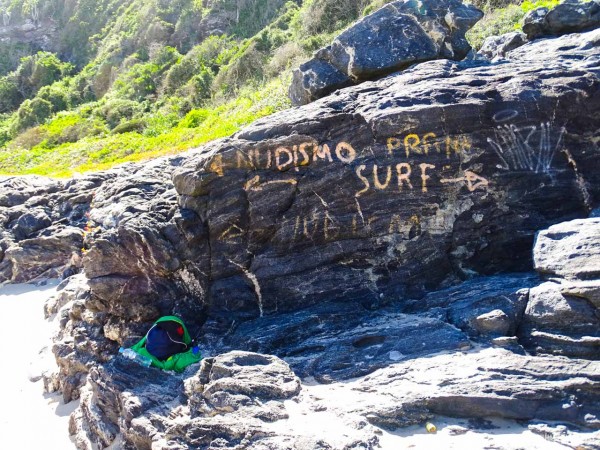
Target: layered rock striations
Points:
(436, 174)
(341, 241)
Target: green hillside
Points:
(124, 80)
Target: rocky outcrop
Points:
(227, 402)
(381, 237)
(389, 189)
(372, 197)
(563, 315)
(241, 398)
(39, 34)
(398, 35)
(44, 222)
(570, 16)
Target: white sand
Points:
(29, 419)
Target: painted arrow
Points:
(255, 185)
(473, 181)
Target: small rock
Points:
(494, 322)
(456, 430)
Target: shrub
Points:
(137, 125)
(10, 97)
(249, 65)
(57, 95)
(286, 56)
(11, 54)
(71, 127)
(32, 112)
(328, 15)
(194, 118)
(29, 138)
(199, 87)
(119, 110)
(39, 70)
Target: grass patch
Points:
(99, 153)
(498, 21)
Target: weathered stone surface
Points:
(239, 380)
(568, 17)
(339, 341)
(500, 383)
(463, 305)
(243, 399)
(16, 190)
(495, 47)
(394, 37)
(335, 176)
(350, 238)
(495, 322)
(561, 324)
(569, 250)
(29, 223)
(44, 256)
(44, 224)
(227, 400)
(315, 79)
(563, 316)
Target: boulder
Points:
(394, 37)
(559, 323)
(494, 322)
(392, 188)
(44, 256)
(569, 250)
(496, 47)
(315, 79)
(570, 16)
(563, 315)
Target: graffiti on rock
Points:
(530, 147)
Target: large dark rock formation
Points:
(350, 238)
(398, 35)
(392, 188)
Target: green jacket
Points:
(176, 362)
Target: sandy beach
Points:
(29, 418)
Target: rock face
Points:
(398, 35)
(227, 402)
(353, 239)
(43, 223)
(569, 16)
(563, 315)
(41, 34)
(389, 189)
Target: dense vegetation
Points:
(131, 79)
